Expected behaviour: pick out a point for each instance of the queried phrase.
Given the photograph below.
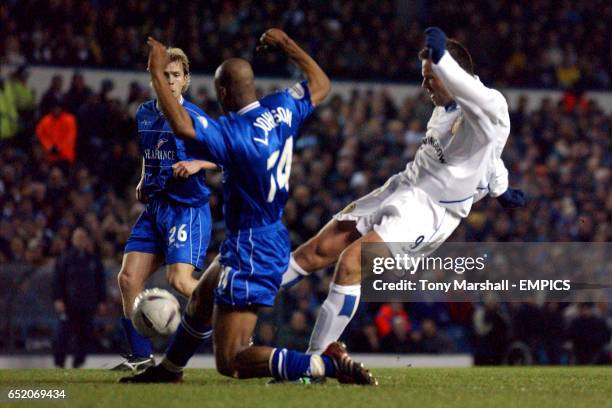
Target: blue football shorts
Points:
(180, 233)
(253, 262)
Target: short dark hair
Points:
(458, 52)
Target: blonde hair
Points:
(178, 55)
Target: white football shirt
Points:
(461, 151)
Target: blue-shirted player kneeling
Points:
(253, 145)
(175, 226)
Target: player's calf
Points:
(343, 299)
(130, 286)
(195, 327)
(137, 267)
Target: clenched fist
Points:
(273, 37)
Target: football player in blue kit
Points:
(175, 225)
(253, 145)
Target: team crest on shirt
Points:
(456, 124)
(160, 143)
(203, 121)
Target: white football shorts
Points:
(402, 214)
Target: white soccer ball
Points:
(156, 313)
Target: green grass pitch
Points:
(410, 387)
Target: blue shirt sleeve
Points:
(298, 99)
(209, 143)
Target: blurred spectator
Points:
(553, 331)
(51, 95)
(296, 334)
(79, 292)
(265, 334)
(77, 93)
(431, 341)
(22, 96)
(350, 39)
(57, 133)
(589, 349)
(361, 333)
(490, 334)
(386, 315)
(398, 339)
(9, 117)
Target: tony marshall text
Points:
(503, 285)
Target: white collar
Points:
(157, 103)
(249, 108)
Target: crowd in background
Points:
(540, 43)
(558, 154)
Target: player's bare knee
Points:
(225, 364)
(127, 280)
(311, 255)
(196, 305)
(242, 365)
(179, 280)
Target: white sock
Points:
(334, 315)
(294, 274)
(317, 367)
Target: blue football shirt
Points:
(254, 146)
(161, 149)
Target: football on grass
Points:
(156, 313)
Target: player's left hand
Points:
(512, 198)
(158, 57)
(435, 40)
(274, 37)
(186, 168)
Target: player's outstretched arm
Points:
(466, 90)
(179, 119)
(318, 82)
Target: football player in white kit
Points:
(458, 163)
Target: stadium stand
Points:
(559, 154)
(362, 40)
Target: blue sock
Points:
(330, 368)
(291, 365)
(140, 346)
(186, 341)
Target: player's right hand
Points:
(186, 168)
(274, 37)
(435, 40)
(158, 56)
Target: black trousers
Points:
(78, 328)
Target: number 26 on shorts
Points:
(181, 235)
